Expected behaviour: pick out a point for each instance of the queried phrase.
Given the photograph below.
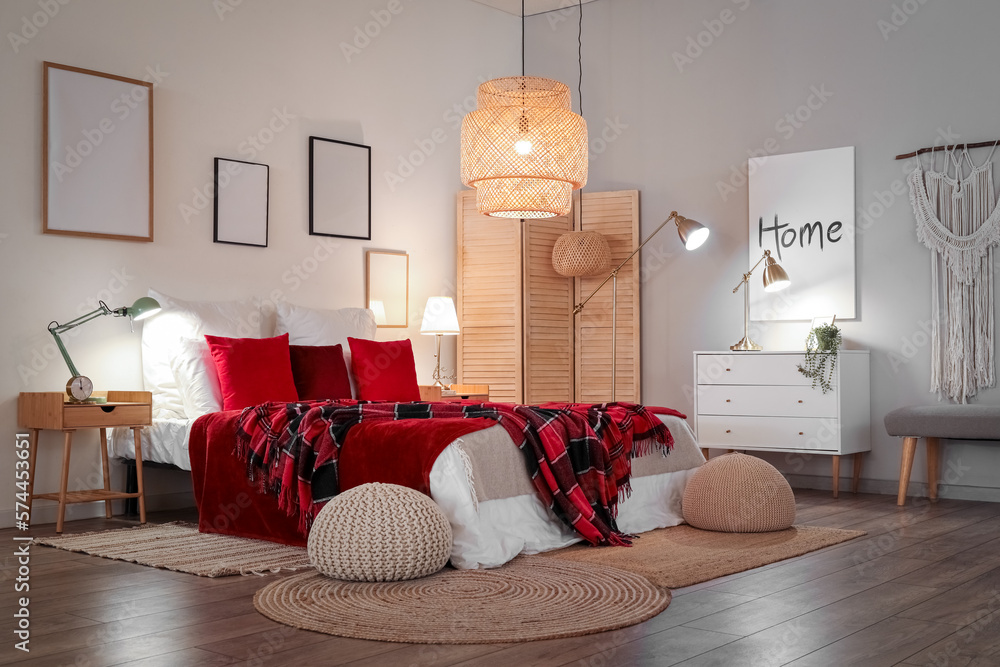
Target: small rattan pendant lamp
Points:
(523, 148)
(581, 254)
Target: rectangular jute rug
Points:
(683, 556)
(179, 546)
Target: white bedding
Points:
(497, 530)
(166, 441)
(503, 528)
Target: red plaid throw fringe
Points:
(578, 456)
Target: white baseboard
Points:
(890, 487)
(46, 511)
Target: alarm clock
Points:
(79, 388)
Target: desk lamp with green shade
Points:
(79, 388)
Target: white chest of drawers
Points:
(760, 401)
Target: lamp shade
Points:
(775, 278)
(440, 317)
(143, 307)
(523, 148)
(581, 254)
(693, 234)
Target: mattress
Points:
(492, 525)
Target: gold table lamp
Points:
(775, 279)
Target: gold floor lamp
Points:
(577, 254)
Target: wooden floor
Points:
(923, 588)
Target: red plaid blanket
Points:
(578, 456)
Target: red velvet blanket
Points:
(399, 452)
(578, 456)
(229, 503)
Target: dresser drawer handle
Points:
(801, 433)
(728, 401)
(727, 370)
(729, 430)
(800, 401)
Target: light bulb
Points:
(777, 285)
(523, 147)
(697, 238)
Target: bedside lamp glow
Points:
(775, 280)
(440, 319)
(79, 388)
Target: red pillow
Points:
(384, 371)
(253, 370)
(320, 372)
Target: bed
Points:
(494, 516)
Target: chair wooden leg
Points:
(704, 452)
(836, 476)
(933, 466)
(858, 460)
(909, 449)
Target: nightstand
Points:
(463, 392)
(38, 411)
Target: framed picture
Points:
(241, 202)
(387, 287)
(97, 154)
(802, 210)
(340, 189)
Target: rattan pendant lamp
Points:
(523, 148)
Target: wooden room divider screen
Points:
(519, 334)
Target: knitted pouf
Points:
(734, 493)
(380, 532)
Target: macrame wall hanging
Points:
(958, 220)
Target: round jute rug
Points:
(521, 601)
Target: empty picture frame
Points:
(339, 189)
(387, 287)
(97, 153)
(241, 199)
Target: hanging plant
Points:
(822, 345)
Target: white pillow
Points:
(197, 378)
(311, 326)
(162, 335)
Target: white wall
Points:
(225, 74)
(673, 134)
(896, 81)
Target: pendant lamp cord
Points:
(579, 56)
(579, 85)
(522, 37)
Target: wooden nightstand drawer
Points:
(51, 410)
(775, 401)
(463, 392)
(476, 398)
(97, 415)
